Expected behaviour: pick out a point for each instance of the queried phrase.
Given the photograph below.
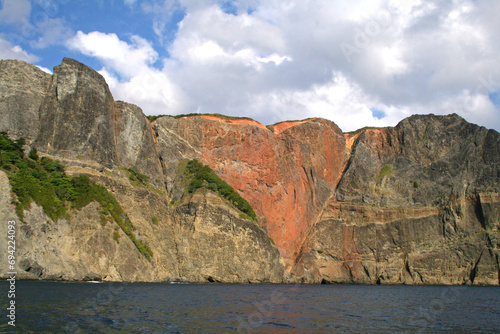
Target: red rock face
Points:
(286, 175)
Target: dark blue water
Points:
(46, 307)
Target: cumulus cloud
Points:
(15, 11)
(52, 31)
(9, 51)
(407, 57)
(360, 63)
(45, 69)
(126, 59)
(129, 72)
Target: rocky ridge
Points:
(415, 204)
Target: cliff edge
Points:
(417, 203)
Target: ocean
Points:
(59, 307)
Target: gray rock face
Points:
(415, 204)
(22, 89)
(219, 247)
(202, 240)
(424, 160)
(76, 116)
(419, 246)
(172, 147)
(134, 141)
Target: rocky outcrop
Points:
(424, 160)
(417, 203)
(22, 89)
(135, 142)
(201, 239)
(76, 115)
(286, 176)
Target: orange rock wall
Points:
(287, 176)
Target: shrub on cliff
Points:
(136, 176)
(45, 182)
(153, 118)
(201, 175)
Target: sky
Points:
(358, 62)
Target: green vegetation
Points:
(270, 128)
(415, 184)
(154, 220)
(295, 120)
(272, 241)
(44, 181)
(33, 155)
(154, 118)
(385, 171)
(136, 176)
(116, 236)
(366, 128)
(202, 176)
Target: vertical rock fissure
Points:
(473, 272)
(408, 269)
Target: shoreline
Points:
(239, 283)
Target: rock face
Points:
(135, 142)
(22, 89)
(422, 161)
(415, 204)
(201, 239)
(286, 176)
(76, 115)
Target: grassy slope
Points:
(44, 181)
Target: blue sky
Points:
(361, 63)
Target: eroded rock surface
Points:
(287, 177)
(417, 203)
(22, 89)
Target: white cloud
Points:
(9, 51)
(150, 89)
(15, 11)
(45, 69)
(337, 99)
(209, 35)
(285, 60)
(126, 59)
(129, 72)
(53, 31)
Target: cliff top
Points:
(275, 128)
(22, 66)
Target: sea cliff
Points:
(417, 203)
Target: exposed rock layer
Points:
(287, 178)
(416, 204)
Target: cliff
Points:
(415, 204)
(201, 238)
(286, 177)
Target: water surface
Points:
(56, 307)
